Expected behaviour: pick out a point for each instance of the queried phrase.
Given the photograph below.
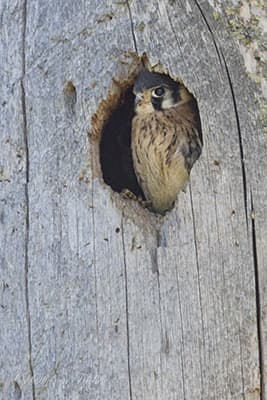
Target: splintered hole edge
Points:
(112, 130)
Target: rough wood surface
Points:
(99, 300)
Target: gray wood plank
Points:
(77, 284)
(15, 368)
(12, 154)
(124, 304)
(15, 374)
(224, 256)
(250, 100)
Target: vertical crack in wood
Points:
(182, 331)
(161, 238)
(243, 169)
(210, 30)
(254, 242)
(155, 270)
(159, 297)
(198, 278)
(224, 292)
(221, 57)
(23, 97)
(27, 216)
(175, 34)
(126, 308)
(94, 246)
(258, 301)
(241, 365)
(132, 25)
(95, 275)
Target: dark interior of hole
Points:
(115, 147)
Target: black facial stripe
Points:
(156, 103)
(175, 94)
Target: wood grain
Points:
(105, 300)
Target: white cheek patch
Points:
(167, 103)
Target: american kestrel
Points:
(165, 138)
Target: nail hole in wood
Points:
(70, 97)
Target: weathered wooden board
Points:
(123, 305)
(248, 22)
(15, 372)
(15, 368)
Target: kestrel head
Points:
(157, 92)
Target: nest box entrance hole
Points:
(112, 127)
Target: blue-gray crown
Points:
(146, 80)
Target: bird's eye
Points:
(158, 92)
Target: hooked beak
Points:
(138, 98)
